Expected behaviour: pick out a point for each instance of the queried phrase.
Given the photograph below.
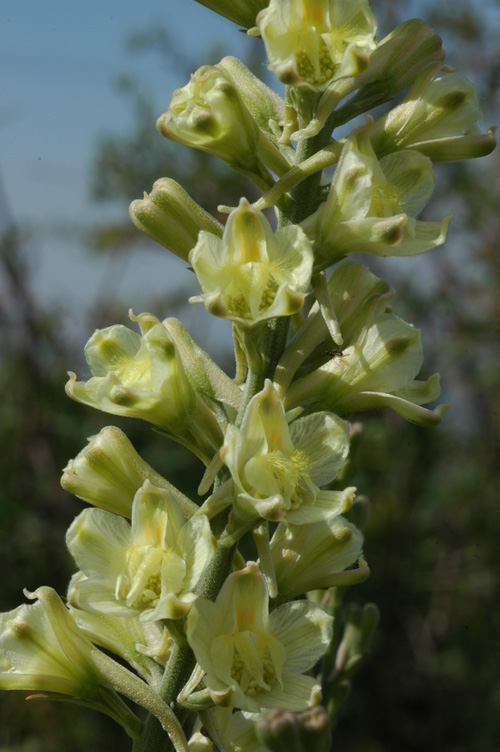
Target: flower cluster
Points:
(208, 622)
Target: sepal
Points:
(395, 63)
(205, 376)
(282, 731)
(241, 12)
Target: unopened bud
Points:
(283, 731)
(171, 217)
(108, 472)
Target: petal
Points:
(111, 349)
(408, 410)
(304, 630)
(410, 180)
(293, 256)
(196, 545)
(98, 597)
(156, 517)
(326, 504)
(203, 626)
(243, 600)
(297, 693)
(98, 540)
(324, 438)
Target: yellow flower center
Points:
(253, 672)
(152, 572)
(289, 473)
(316, 75)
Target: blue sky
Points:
(59, 61)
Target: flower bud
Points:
(311, 557)
(171, 217)
(311, 43)
(252, 274)
(208, 114)
(359, 629)
(198, 742)
(108, 472)
(242, 12)
(282, 731)
(434, 113)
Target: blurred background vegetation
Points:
(432, 681)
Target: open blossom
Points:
(142, 376)
(252, 274)
(278, 467)
(435, 108)
(254, 659)
(208, 114)
(314, 42)
(314, 557)
(373, 204)
(380, 358)
(43, 650)
(146, 569)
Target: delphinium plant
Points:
(226, 613)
